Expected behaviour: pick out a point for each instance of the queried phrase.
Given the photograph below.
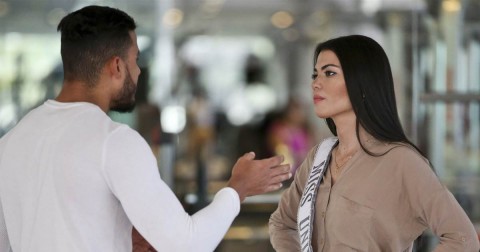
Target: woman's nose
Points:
(316, 84)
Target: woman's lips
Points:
(317, 98)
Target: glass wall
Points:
(448, 86)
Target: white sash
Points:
(306, 209)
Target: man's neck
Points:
(75, 91)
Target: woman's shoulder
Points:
(402, 150)
(407, 157)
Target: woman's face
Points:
(330, 96)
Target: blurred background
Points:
(223, 77)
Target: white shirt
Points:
(73, 180)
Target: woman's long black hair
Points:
(369, 83)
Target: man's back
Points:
(52, 184)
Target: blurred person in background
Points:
(71, 179)
(289, 135)
(368, 188)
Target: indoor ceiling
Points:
(227, 16)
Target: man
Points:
(73, 180)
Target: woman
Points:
(377, 191)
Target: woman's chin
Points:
(322, 115)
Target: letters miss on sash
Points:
(310, 190)
(306, 208)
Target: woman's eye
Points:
(329, 73)
(314, 76)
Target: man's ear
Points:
(114, 67)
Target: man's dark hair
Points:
(90, 37)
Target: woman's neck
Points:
(347, 136)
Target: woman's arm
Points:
(283, 222)
(436, 207)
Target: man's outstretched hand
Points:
(251, 177)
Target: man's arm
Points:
(4, 241)
(252, 177)
(132, 173)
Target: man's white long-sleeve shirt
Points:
(71, 179)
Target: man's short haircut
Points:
(90, 37)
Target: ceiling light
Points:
(282, 19)
(173, 18)
(451, 5)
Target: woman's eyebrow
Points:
(327, 65)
